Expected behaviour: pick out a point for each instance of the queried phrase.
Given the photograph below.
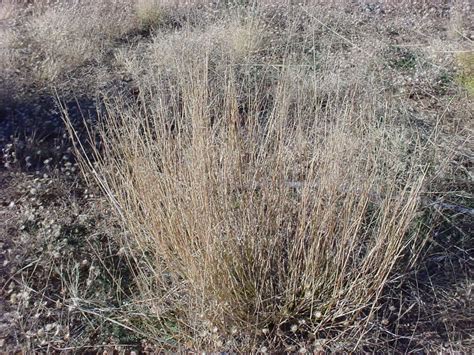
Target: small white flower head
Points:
(265, 331)
(319, 343)
(294, 328)
(263, 350)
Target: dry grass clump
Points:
(149, 13)
(281, 209)
(261, 226)
(61, 37)
(69, 35)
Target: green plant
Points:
(466, 71)
(402, 59)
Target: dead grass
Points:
(267, 224)
(64, 36)
(275, 167)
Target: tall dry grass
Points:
(260, 198)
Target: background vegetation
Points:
(236, 175)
